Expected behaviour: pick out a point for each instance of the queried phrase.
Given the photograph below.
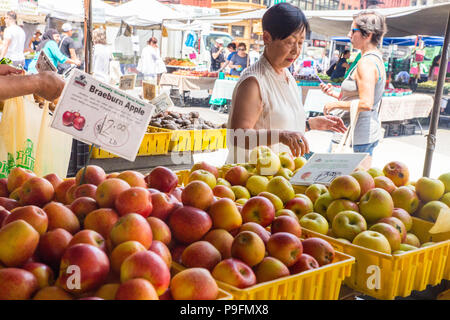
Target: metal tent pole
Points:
(88, 36)
(437, 101)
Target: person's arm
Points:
(247, 109)
(73, 54)
(216, 54)
(45, 84)
(60, 57)
(6, 70)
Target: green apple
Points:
(223, 182)
(348, 224)
(345, 187)
(391, 234)
(405, 198)
(431, 210)
(445, 178)
(299, 162)
(338, 206)
(446, 199)
(375, 172)
(373, 240)
(427, 244)
(375, 205)
(241, 192)
(266, 161)
(314, 191)
(429, 189)
(282, 188)
(277, 203)
(407, 247)
(322, 203)
(257, 184)
(314, 222)
(285, 173)
(412, 239)
(287, 161)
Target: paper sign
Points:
(28, 7)
(127, 82)
(148, 90)
(324, 168)
(97, 113)
(162, 103)
(44, 64)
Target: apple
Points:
(287, 161)
(52, 246)
(89, 237)
(322, 203)
(4, 188)
(9, 204)
(282, 188)
(276, 201)
(348, 224)
(53, 179)
(314, 222)
(314, 191)
(431, 210)
(133, 178)
(189, 224)
(70, 195)
(299, 162)
(391, 233)
(270, 269)
(108, 291)
(123, 251)
(398, 172)
(407, 247)
(112, 175)
(286, 224)
(234, 273)
(59, 216)
(237, 176)
(224, 192)
(62, 189)
(197, 194)
(17, 284)
(259, 210)
(147, 265)
(194, 284)
(266, 161)
(85, 190)
(429, 189)
(240, 192)
(345, 187)
(385, 183)
(79, 123)
(16, 194)
(36, 191)
(375, 205)
(404, 216)
(319, 249)
(222, 240)
(406, 199)
(108, 191)
(225, 214)
(305, 263)
(373, 240)
(17, 177)
(412, 240)
(365, 180)
(375, 172)
(256, 228)
(205, 176)
(163, 205)
(136, 289)
(201, 254)
(446, 199)
(18, 242)
(35, 216)
(223, 182)
(205, 166)
(177, 251)
(163, 251)
(102, 221)
(285, 247)
(52, 293)
(3, 215)
(300, 206)
(43, 273)
(286, 212)
(162, 179)
(397, 224)
(132, 227)
(257, 184)
(81, 207)
(285, 173)
(338, 206)
(160, 230)
(248, 247)
(134, 200)
(445, 178)
(93, 267)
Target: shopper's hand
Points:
(328, 123)
(49, 86)
(327, 89)
(330, 107)
(296, 141)
(6, 70)
(77, 62)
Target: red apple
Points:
(52, 246)
(237, 176)
(62, 189)
(319, 249)
(300, 206)
(4, 188)
(85, 190)
(17, 177)
(94, 175)
(385, 183)
(285, 247)
(189, 224)
(92, 265)
(162, 179)
(201, 254)
(365, 181)
(197, 194)
(205, 166)
(36, 191)
(70, 195)
(9, 204)
(222, 240)
(160, 230)
(134, 200)
(194, 284)
(177, 252)
(59, 216)
(123, 251)
(259, 210)
(177, 193)
(68, 118)
(35, 216)
(89, 237)
(163, 251)
(3, 215)
(345, 187)
(102, 221)
(136, 289)
(163, 205)
(17, 284)
(108, 191)
(235, 273)
(54, 180)
(397, 224)
(286, 224)
(305, 263)
(258, 229)
(133, 178)
(224, 192)
(81, 207)
(43, 273)
(132, 227)
(398, 172)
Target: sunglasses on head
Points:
(355, 29)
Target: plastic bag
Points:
(25, 133)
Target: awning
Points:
(402, 41)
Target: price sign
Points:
(162, 102)
(127, 82)
(324, 168)
(98, 113)
(44, 64)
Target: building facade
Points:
(316, 4)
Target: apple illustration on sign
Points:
(74, 119)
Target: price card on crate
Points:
(324, 168)
(44, 64)
(100, 114)
(162, 102)
(127, 82)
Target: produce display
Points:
(182, 121)
(191, 73)
(397, 92)
(179, 62)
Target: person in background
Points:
(324, 62)
(35, 41)
(148, 64)
(102, 55)
(341, 66)
(402, 77)
(49, 45)
(217, 55)
(254, 53)
(434, 69)
(240, 61)
(67, 47)
(365, 84)
(231, 47)
(14, 41)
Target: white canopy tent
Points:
(146, 12)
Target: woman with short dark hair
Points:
(266, 104)
(341, 66)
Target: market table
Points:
(187, 83)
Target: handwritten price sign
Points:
(97, 113)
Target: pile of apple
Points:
(92, 237)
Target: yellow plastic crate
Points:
(323, 283)
(195, 140)
(385, 276)
(154, 143)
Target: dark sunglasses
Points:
(241, 49)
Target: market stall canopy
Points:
(427, 20)
(402, 41)
(146, 12)
(27, 11)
